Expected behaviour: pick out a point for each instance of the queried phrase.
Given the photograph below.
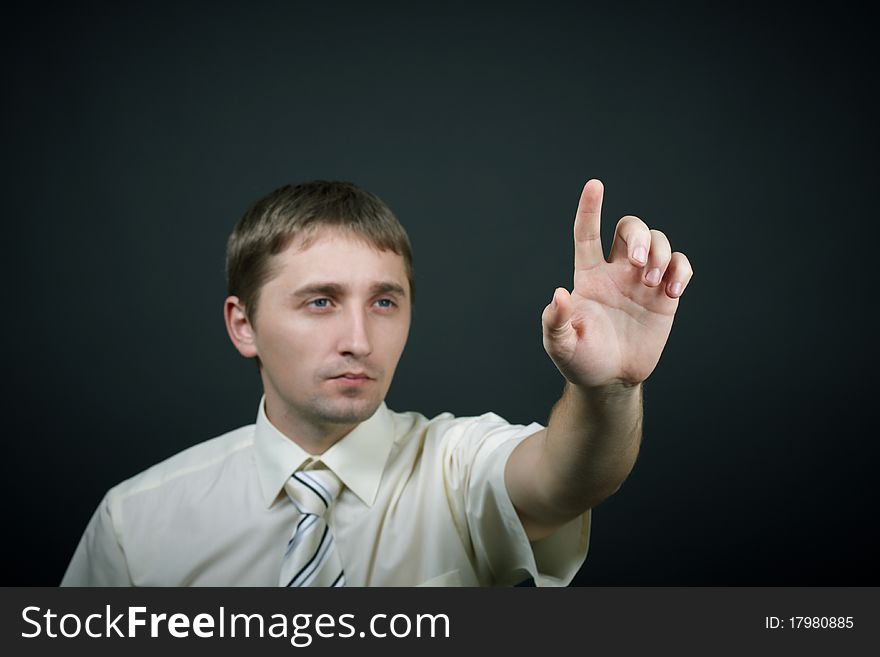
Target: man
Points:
(330, 487)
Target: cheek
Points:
(395, 339)
(292, 343)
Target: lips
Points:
(352, 380)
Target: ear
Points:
(239, 327)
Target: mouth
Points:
(352, 379)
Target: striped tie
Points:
(311, 558)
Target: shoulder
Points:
(449, 431)
(195, 466)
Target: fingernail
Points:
(653, 276)
(640, 254)
(676, 289)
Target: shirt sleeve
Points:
(99, 559)
(503, 551)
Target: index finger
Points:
(587, 222)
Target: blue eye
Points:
(388, 301)
(319, 303)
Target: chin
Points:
(346, 411)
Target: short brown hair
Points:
(298, 211)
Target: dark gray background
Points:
(136, 137)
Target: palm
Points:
(613, 326)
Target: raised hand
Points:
(611, 329)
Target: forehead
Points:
(336, 256)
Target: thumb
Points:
(556, 318)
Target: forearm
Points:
(590, 446)
(593, 439)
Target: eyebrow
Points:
(335, 289)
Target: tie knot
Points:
(313, 491)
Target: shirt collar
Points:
(358, 459)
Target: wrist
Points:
(618, 391)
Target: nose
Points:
(355, 340)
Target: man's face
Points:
(330, 328)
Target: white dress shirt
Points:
(424, 503)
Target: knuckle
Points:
(684, 267)
(659, 238)
(631, 222)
